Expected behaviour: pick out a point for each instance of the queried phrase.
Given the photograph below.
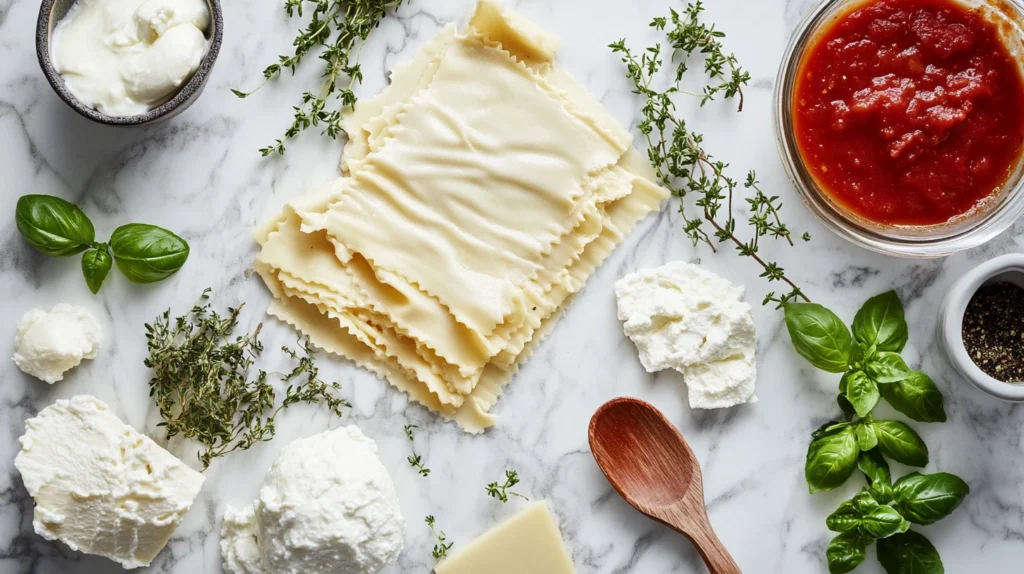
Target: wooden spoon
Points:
(649, 463)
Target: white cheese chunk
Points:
(527, 543)
(327, 506)
(100, 486)
(50, 343)
(688, 319)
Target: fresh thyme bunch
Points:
(336, 26)
(676, 152)
(202, 387)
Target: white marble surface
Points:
(201, 176)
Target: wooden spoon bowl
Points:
(648, 462)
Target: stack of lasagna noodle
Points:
(481, 189)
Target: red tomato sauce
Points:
(909, 111)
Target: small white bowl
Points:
(1009, 269)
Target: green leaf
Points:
(909, 553)
(819, 336)
(846, 407)
(899, 442)
(888, 367)
(860, 354)
(883, 522)
(867, 439)
(917, 397)
(927, 498)
(846, 552)
(864, 502)
(880, 322)
(53, 226)
(146, 253)
(845, 519)
(861, 391)
(874, 467)
(831, 458)
(96, 264)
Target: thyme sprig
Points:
(677, 154)
(443, 546)
(415, 460)
(501, 491)
(336, 26)
(202, 387)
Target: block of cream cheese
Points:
(100, 486)
(527, 543)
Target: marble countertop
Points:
(200, 175)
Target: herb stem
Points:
(676, 153)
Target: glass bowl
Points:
(988, 218)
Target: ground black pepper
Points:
(993, 331)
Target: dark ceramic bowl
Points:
(51, 13)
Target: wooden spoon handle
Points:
(713, 552)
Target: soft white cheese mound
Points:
(327, 506)
(686, 318)
(100, 486)
(50, 343)
(124, 57)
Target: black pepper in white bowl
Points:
(981, 327)
(993, 330)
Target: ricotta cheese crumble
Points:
(686, 318)
(101, 487)
(327, 506)
(50, 343)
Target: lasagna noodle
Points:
(471, 202)
(479, 151)
(334, 335)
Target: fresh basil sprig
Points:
(143, 253)
(868, 356)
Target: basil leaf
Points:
(927, 498)
(831, 458)
(823, 429)
(844, 519)
(846, 552)
(860, 354)
(909, 553)
(819, 336)
(864, 502)
(846, 407)
(917, 397)
(861, 391)
(880, 322)
(96, 264)
(874, 467)
(147, 253)
(888, 367)
(899, 442)
(883, 522)
(53, 226)
(867, 439)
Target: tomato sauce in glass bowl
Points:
(909, 112)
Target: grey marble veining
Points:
(200, 175)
